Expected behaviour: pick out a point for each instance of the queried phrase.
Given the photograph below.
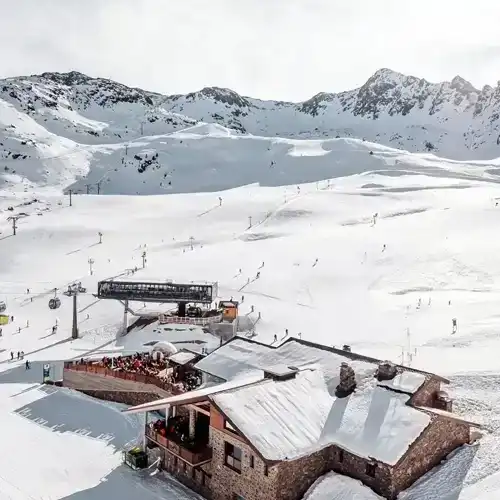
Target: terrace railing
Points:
(96, 369)
(165, 319)
(202, 454)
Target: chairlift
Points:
(3, 306)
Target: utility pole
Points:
(99, 187)
(100, 236)
(70, 200)
(91, 261)
(191, 240)
(88, 188)
(249, 221)
(143, 259)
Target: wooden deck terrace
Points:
(96, 369)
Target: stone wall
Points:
(438, 440)
(346, 463)
(251, 483)
(124, 397)
(297, 476)
(426, 395)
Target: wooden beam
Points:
(199, 410)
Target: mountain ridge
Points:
(75, 118)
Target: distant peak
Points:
(70, 78)
(462, 85)
(386, 74)
(220, 94)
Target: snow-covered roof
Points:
(448, 414)
(242, 356)
(182, 357)
(407, 382)
(333, 486)
(196, 395)
(287, 419)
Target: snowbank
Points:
(333, 486)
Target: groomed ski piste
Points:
(382, 259)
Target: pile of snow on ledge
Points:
(333, 486)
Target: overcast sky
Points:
(281, 49)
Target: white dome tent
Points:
(163, 349)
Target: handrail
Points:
(165, 319)
(192, 457)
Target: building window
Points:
(266, 470)
(233, 457)
(252, 461)
(229, 427)
(370, 469)
(341, 456)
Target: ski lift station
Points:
(195, 302)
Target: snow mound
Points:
(333, 486)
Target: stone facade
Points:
(427, 393)
(297, 476)
(351, 465)
(440, 438)
(124, 397)
(254, 482)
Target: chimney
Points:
(386, 371)
(347, 382)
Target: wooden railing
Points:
(123, 375)
(190, 456)
(165, 319)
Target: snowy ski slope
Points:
(323, 272)
(326, 271)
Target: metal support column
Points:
(74, 332)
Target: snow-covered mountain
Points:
(58, 129)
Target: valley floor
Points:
(388, 286)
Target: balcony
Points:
(193, 454)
